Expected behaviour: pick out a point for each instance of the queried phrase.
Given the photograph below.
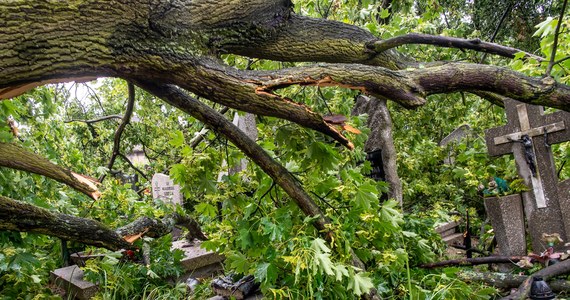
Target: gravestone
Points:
(245, 123)
(527, 135)
(163, 188)
(454, 137)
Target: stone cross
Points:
(547, 204)
(163, 188)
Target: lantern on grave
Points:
(540, 290)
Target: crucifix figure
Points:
(527, 135)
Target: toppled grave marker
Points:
(198, 262)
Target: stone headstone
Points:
(70, 279)
(449, 233)
(163, 188)
(527, 135)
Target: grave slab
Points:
(198, 262)
(71, 280)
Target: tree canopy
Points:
(304, 218)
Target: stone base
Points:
(70, 279)
(507, 218)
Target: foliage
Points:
(247, 217)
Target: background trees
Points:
(261, 230)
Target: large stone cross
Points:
(547, 204)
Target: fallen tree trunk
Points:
(509, 281)
(20, 216)
(473, 261)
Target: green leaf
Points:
(360, 284)
(207, 209)
(340, 271)
(176, 138)
(321, 257)
(238, 262)
(365, 195)
(36, 278)
(266, 272)
(384, 13)
(271, 229)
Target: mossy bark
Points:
(21, 216)
(16, 157)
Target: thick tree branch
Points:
(218, 123)
(473, 261)
(276, 171)
(20, 216)
(17, 157)
(448, 42)
(508, 281)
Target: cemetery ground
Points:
(268, 149)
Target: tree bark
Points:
(508, 281)
(473, 261)
(20, 216)
(380, 138)
(551, 271)
(17, 157)
(167, 42)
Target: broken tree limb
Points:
(522, 292)
(16, 157)
(24, 217)
(508, 281)
(473, 261)
(219, 123)
(20, 216)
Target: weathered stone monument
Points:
(163, 188)
(454, 137)
(245, 123)
(528, 135)
(70, 279)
